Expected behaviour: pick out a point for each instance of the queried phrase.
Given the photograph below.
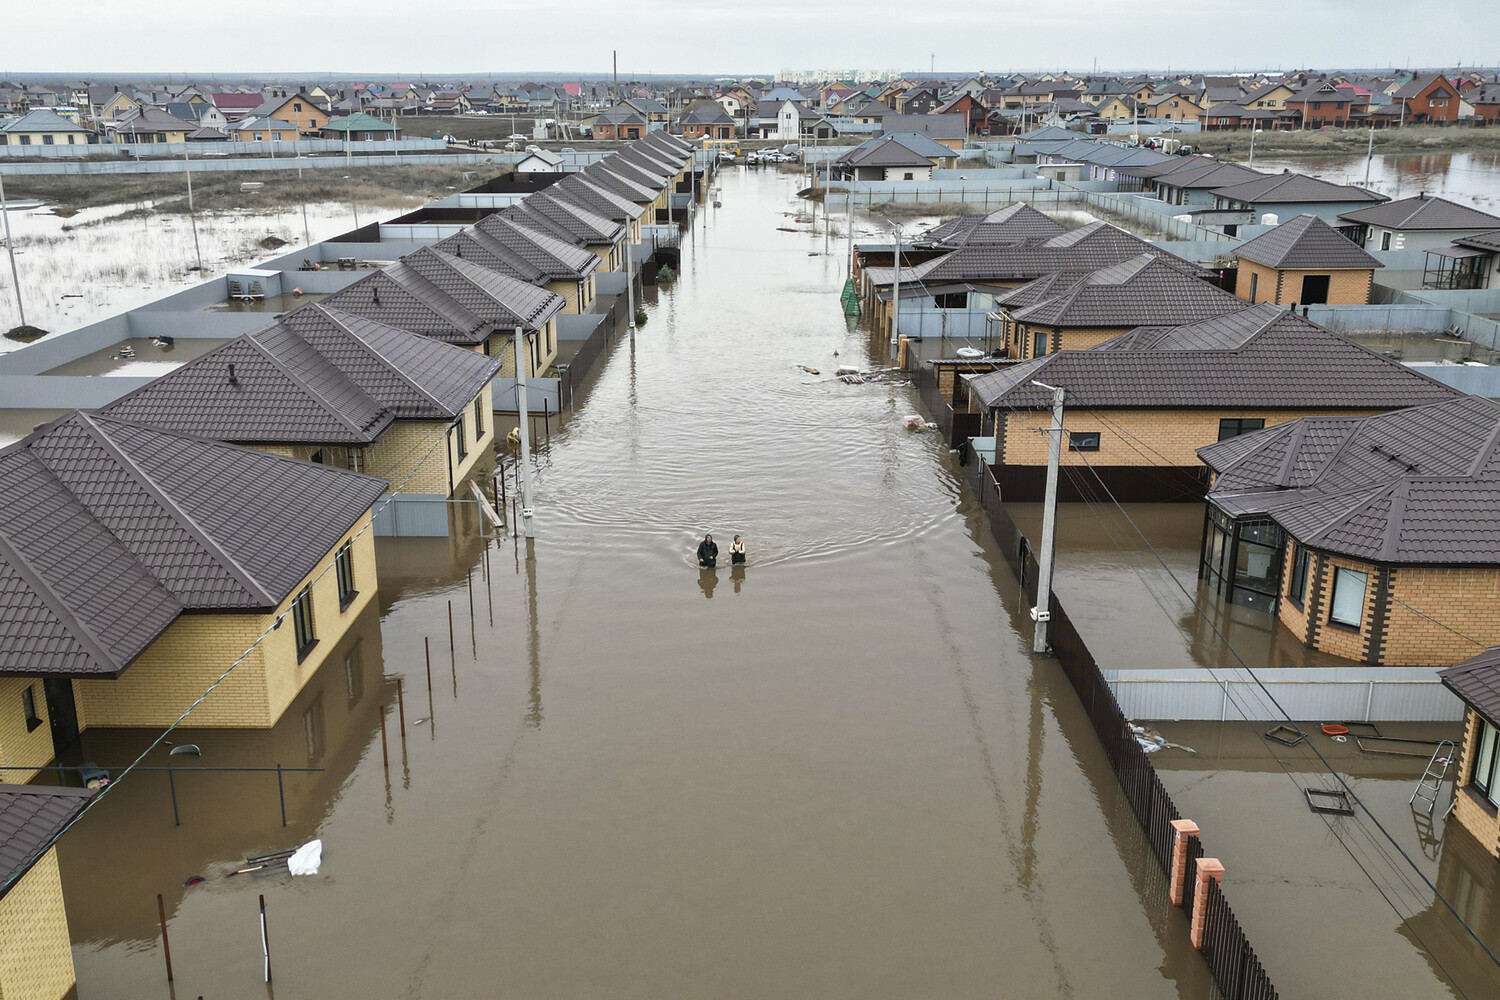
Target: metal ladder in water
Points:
(1431, 781)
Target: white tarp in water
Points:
(306, 859)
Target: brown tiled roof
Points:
(1259, 357)
(1418, 485)
(577, 189)
(31, 816)
(1008, 225)
(1293, 188)
(314, 376)
(1143, 289)
(110, 529)
(542, 211)
(1086, 248)
(1423, 212)
(498, 243)
(1307, 242)
(1477, 682)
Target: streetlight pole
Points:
(1253, 134)
(1369, 155)
(1041, 613)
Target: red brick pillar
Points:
(1183, 830)
(1209, 870)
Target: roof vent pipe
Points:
(233, 379)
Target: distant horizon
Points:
(674, 39)
(278, 76)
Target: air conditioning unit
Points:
(253, 284)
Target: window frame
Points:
(478, 417)
(304, 626)
(1339, 573)
(28, 708)
(1080, 440)
(1487, 786)
(1296, 587)
(1240, 422)
(343, 565)
(458, 437)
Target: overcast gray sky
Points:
(442, 38)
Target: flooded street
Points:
(836, 773)
(1467, 178)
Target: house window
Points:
(1254, 286)
(458, 437)
(951, 300)
(1230, 427)
(28, 707)
(343, 563)
(478, 417)
(47, 140)
(1348, 604)
(1039, 343)
(302, 623)
(1483, 778)
(1385, 241)
(906, 176)
(1084, 440)
(296, 105)
(1297, 586)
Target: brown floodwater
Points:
(834, 773)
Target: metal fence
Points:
(1230, 958)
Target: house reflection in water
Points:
(225, 816)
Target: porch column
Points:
(1209, 870)
(1183, 830)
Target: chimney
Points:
(233, 379)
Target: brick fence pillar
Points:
(1209, 870)
(1183, 830)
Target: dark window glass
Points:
(1486, 763)
(1083, 440)
(28, 708)
(478, 417)
(952, 300)
(1297, 588)
(1235, 426)
(302, 622)
(344, 563)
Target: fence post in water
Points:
(385, 752)
(451, 654)
(166, 946)
(401, 708)
(172, 787)
(265, 940)
(1183, 830)
(1209, 870)
(281, 792)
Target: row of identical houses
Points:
(205, 542)
(1351, 499)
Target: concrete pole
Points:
(629, 283)
(192, 215)
(896, 296)
(520, 352)
(1042, 613)
(10, 250)
(1369, 155)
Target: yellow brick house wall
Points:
(414, 457)
(1466, 599)
(190, 655)
(1132, 437)
(1345, 288)
(577, 295)
(1474, 815)
(36, 952)
(540, 357)
(19, 747)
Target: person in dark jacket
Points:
(708, 552)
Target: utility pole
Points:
(1369, 155)
(192, 215)
(629, 283)
(10, 250)
(526, 511)
(1253, 133)
(896, 295)
(1042, 612)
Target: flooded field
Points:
(1468, 178)
(834, 773)
(105, 260)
